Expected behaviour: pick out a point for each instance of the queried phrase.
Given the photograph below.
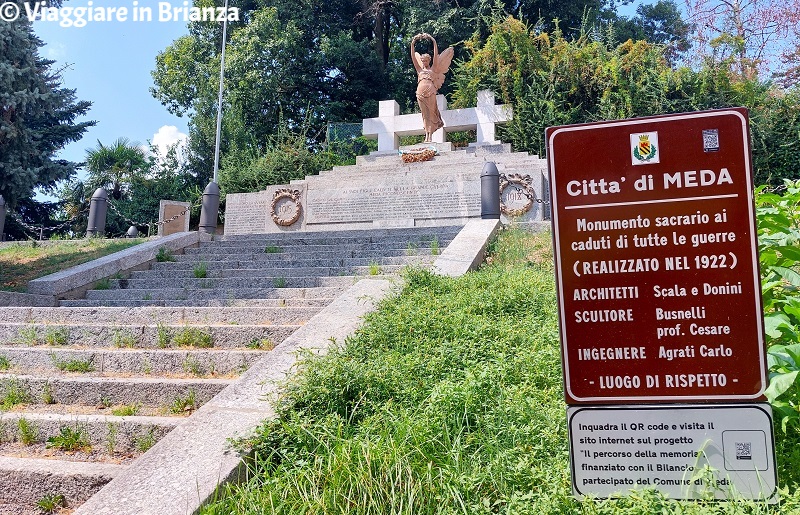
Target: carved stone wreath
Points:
(523, 182)
(294, 197)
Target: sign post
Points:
(659, 302)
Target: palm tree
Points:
(114, 165)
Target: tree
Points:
(155, 176)
(571, 15)
(114, 165)
(37, 115)
(753, 32)
(660, 23)
(301, 62)
(550, 80)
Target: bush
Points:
(287, 156)
(550, 80)
(779, 249)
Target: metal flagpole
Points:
(221, 85)
(209, 212)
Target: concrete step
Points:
(271, 272)
(143, 336)
(279, 260)
(24, 481)
(447, 162)
(455, 156)
(282, 315)
(341, 250)
(114, 434)
(325, 239)
(158, 392)
(222, 294)
(196, 362)
(467, 173)
(323, 256)
(238, 282)
(371, 234)
(222, 302)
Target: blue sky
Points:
(109, 65)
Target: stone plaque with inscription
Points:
(175, 215)
(366, 200)
(247, 213)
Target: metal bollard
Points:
(2, 218)
(209, 212)
(98, 209)
(490, 192)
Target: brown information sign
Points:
(656, 259)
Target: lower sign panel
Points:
(685, 452)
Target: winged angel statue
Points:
(430, 77)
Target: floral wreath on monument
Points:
(417, 155)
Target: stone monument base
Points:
(380, 191)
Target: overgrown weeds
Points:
(69, 439)
(778, 218)
(13, 393)
(183, 404)
(464, 413)
(164, 255)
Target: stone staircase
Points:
(87, 387)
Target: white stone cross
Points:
(390, 124)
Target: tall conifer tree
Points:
(37, 115)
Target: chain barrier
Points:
(41, 229)
(150, 225)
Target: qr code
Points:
(744, 451)
(711, 140)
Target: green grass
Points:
(430, 414)
(73, 365)
(123, 339)
(69, 439)
(5, 363)
(164, 335)
(28, 336)
(47, 394)
(163, 255)
(24, 262)
(53, 336)
(28, 432)
(13, 393)
(435, 246)
(142, 443)
(200, 270)
(260, 344)
(192, 337)
(127, 410)
(192, 366)
(272, 249)
(374, 268)
(183, 404)
(51, 502)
